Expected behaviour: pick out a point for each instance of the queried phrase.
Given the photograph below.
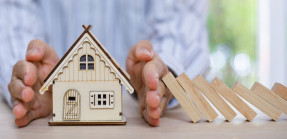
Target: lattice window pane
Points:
(90, 58)
(82, 66)
(90, 66)
(83, 58)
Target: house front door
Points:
(71, 105)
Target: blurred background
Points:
(247, 41)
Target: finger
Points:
(152, 71)
(154, 113)
(153, 98)
(165, 100)
(19, 110)
(155, 101)
(163, 103)
(142, 99)
(18, 90)
(25, 120)
(149, 120)
(141, 51)
(40, 51)
(25, 71)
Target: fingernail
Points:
(25, 79)
(157, 77)
(32, 51)
(157, 97)
(144, 51)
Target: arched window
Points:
(86, 62)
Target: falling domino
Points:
(181, 96)
(257, 101)
(186, 92)
(233, 99)
(197, 97)
(270, 96)
(280, 90)
(214, 98)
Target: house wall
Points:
(84, 88)
(101, 78)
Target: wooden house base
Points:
(102, 122)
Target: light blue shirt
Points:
(176, 29)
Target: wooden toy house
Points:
(87, 85)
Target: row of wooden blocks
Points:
(189, 94)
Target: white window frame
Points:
(97, 99)
(271, 39)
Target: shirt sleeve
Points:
(19, 24)
(178, 32)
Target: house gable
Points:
(105, 67)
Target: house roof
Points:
(114, 62)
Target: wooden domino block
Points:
(270, 96)
(182, 97)
(233, 99)
(214, 98)
(280, 90)
(197, 97)
(257, 101)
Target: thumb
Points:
(141, 51)
(39, 51)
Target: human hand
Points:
(145, 69)
(27, 78)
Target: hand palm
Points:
(41, 105)
(145, 68)
(27, 78)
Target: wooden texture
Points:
(214, 98)
(181, 96)
(173, 124)
(270, 96)
(87, 84)
(87, 113)
(233, 99)
(70, 49)
(105, 67)
(257, 101)
(197, 97)
(280, 90)
(71, 108)
(108, 122)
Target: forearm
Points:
(178, 34)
